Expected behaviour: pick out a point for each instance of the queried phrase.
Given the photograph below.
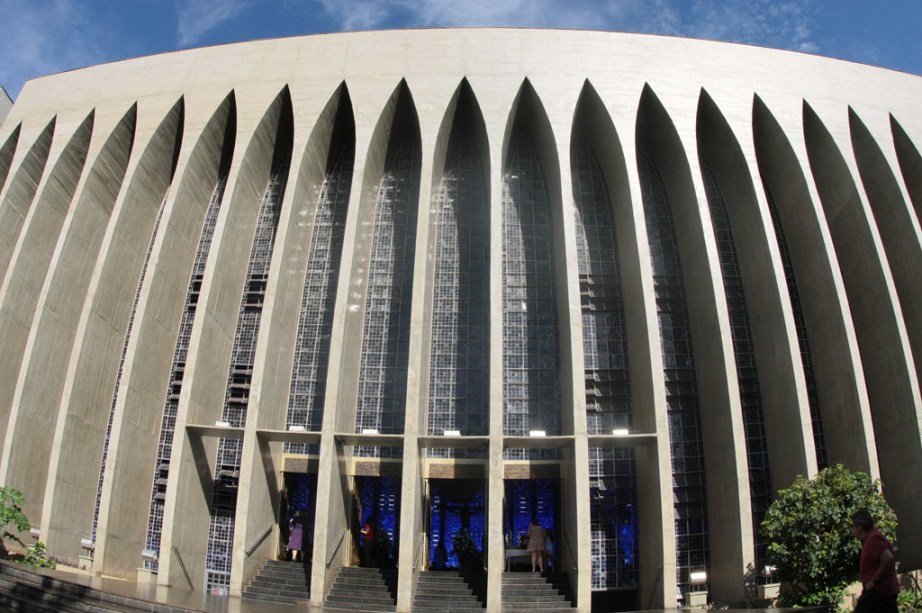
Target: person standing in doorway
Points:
(296, 540)
(368, 545)
(879, 583)
(535, 536)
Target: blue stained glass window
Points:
(456, 506)
(380, 497)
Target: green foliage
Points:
(36, 555)
(910, 601)
(468, 557)
(808, 527)
(11, 501)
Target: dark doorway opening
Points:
(527, 499)
(298, 494)
(457, 524)
(377, 500)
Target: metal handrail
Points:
(336, 549)
(182, 566)
(566, 544)
(419, 549)
(656, 580)
(260, 540)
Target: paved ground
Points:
(177, 597)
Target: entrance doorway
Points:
(457, 524)
(377, 500)
(299, 494)
(527, 499)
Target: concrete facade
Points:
(107, 175)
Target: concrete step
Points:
(280, 581)
(450, 591)
(369, 589)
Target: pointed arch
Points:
(322, 197)
(7, 151)
(32, 256)
(146, 410)
(458, 366)
(910, 161)
(394, 165)
(892, 384)
(531, 203)
(20, 192)
(898, 228)
(602, 200)
(54, 327)
(93, 377)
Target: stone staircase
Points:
(281, 581)
(527, 592)
(450, 592)
(26, 590)
(363, 589)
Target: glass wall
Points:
(689, 488)
(531, 354)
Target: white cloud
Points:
(39, 38)
(197, 17)
(783, 24)
(774, 23)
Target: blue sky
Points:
(39, 37)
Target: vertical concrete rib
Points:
(84, 416)
(7, 151)
(840, 385)
(192, 475)
(611, 277)
(16, 197)
(32, 255)
(893, 388)
(455, 381)
(139, 419)
(656, 515)
(709, 400)
(411, 497)
(574, 556)
(292, 294)
(55, 327)
(498, 147)
(333, 546)
(910, 162)
(600, 192)
(898, 227)
(769, 399)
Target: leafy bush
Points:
(808, 528)
(36, 555)
(469, 557)
(910, 601)
(11, 501)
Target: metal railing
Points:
(182, 566)
(260, 540)
(419, 549)
(656, 580)
(336, 549)
(571, 557)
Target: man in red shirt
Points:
(877, 568)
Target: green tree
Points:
(11, 501)
(808, 528)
